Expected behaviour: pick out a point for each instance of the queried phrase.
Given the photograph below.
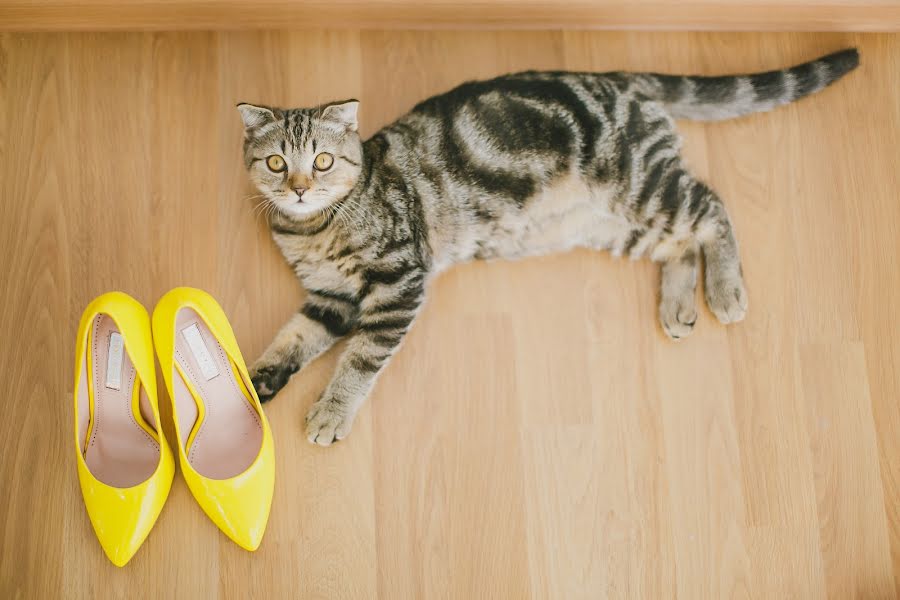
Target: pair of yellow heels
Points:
(224, 444)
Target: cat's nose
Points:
(299, 191)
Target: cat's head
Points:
(302, 160)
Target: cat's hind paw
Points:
(727, 299)
(677, 318)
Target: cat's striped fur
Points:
(520, 165)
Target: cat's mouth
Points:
(294, 206)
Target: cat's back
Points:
(566, 88)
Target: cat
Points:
(520, 165)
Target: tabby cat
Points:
(520, 165)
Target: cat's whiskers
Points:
(272, 210)
(341, 217)
(262, 207)
(335, 213)
(257, 199)
(354, 207)
(266, 207)
(355, 214)
(263, 200)
(258, 208)
(362, 216)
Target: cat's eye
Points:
(324, 161)
(275, 163)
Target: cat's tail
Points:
(730, 96)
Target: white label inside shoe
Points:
(200, 351)
(114, 361)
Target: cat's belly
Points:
(565, 215)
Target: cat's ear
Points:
(254, 116)
(342, 112)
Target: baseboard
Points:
(697, 15)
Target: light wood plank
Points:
(321, 537)
(852, 523)
(34, 319)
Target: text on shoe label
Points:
(200, 351)
(114, 361)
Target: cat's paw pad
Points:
(677, 318)
(727, 300)
(327, 422)
(268, 380)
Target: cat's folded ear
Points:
(343, 112)
(255, 116)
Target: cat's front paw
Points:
(327, 422)
(268, 379)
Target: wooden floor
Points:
(537, 436)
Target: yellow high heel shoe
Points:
(224, 442)
(125, 466)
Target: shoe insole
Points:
(120, 449)
(221, 429)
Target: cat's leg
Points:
(678, 285)
(309, 333)
(385, 316)
(724, 281)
